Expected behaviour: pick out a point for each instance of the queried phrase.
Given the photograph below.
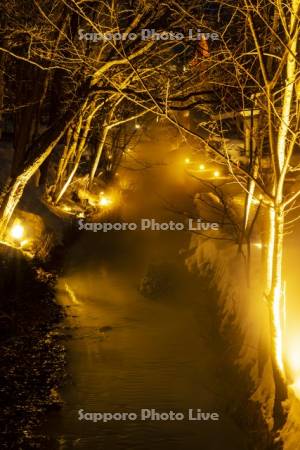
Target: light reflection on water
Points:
(161, 354)
(126, 353)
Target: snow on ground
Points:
(243, 314)
(239, 301)
(32, 201)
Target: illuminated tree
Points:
(255, 72)
(81, 76)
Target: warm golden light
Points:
(187, 160)
(257, 201)
(202, 167)
(71, 294)
(277, 313)
(17, 231)
(296, 387)
(217, 173)
(104, 201)
(293, 358)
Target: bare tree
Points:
(255, 73)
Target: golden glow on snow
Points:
(294, 365)
(294, 359)
(296, 387)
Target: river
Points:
(127, 352)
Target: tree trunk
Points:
(80, 150)
(275, 298)
(38, 153)
(17, 185)
(70, 178)
(275, 257)
(69, 150)
(98, 155)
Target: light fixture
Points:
(216, 173)
(104, 201)
(17, 231)
(201, 167)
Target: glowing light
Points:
(294, 360)
(105, 201)
(137, 126)
(202, 167)
(258, 245)
(187, 160)
(296, 387)
(217, 173)
(17, 231)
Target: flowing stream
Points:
(127, 352)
